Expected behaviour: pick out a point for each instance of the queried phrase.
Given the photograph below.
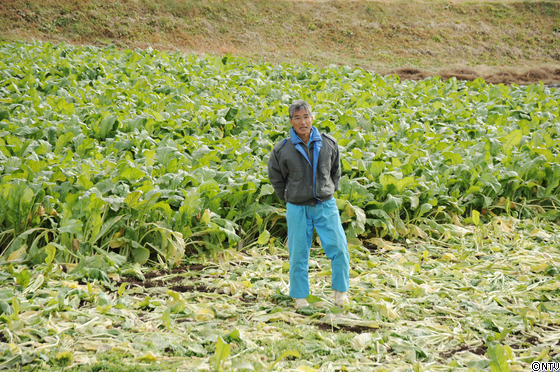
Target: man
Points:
(304, 171)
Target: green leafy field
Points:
(147, 154)
(113, 161)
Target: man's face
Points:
(301, 122)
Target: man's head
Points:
(301, 118)
(298, 106)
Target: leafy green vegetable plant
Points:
(153, 155)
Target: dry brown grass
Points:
(505, 41)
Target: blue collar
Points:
(314, 136)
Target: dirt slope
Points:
(504, 41)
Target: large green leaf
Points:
(141, 255)
(511, 140)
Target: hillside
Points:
(503, 41)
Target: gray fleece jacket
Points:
(305, 175)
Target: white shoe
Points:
(340, 298)
(301, 302)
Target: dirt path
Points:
(546, 75)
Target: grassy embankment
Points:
(502, 41)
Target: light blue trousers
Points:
(326, 220)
